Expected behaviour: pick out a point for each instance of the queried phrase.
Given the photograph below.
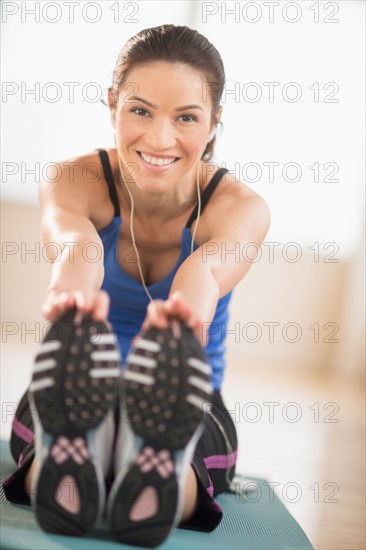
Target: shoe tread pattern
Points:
(73, 406)
(160, 414)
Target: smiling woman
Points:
(177, 46)
(164, 138)
(178, 448)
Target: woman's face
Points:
(163, 112)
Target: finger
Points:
(80, 300)
(51, 307)
(198, 330)
(56, 303)
(145, 326)
(176, 300)
(167, 305)
(159, 318)
(47, 311)
(184, 312)
(176, 328)
(192, 321)
(90, 299)
(179, 304)
(176, 296)
(51, 311)
(156, 314)
(101, 308)
(154, 304)
(175, 306)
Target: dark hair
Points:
(175, 44)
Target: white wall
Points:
(303, 132)
(37, 129)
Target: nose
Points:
(161, 135)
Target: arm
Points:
(212, 270)
(75, 280)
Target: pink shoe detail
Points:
(147, 505)
(63, 449)
(161, 461)
(67, 495)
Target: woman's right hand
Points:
(94, 303)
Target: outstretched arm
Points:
(215, 268)
(66, 227)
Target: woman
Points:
(140, 259)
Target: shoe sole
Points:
(167, 393)
(73, 388)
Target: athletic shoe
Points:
(73, 389)
(166, 392)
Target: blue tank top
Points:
(128, 297)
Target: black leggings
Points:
(213, 462)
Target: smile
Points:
(155, 161)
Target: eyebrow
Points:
(137, 98)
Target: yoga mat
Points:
(253, 520)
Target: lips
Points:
(146, 157)
(156, 168)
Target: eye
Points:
(137, 109)
(190, 116)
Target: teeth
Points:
(156, 161)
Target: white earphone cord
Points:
(133, 235)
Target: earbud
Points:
(211, 135)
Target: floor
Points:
(305, 436)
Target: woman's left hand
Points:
(160, 313)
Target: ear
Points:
(214, 127)
(218, 114)
(211, 134)
(112, 101)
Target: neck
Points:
(168, 205)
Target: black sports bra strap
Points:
(215, 180)
(108, 174)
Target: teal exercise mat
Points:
(256, 520)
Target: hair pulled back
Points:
(175, 44)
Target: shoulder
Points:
(78, 185)
(233, 207)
